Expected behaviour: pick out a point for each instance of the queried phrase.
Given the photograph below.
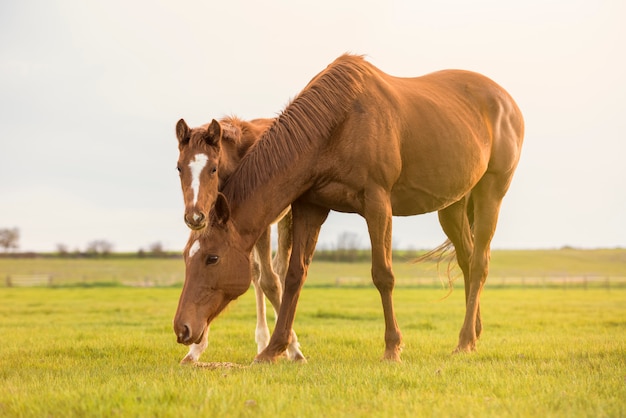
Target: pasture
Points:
(95, 349)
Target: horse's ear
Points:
(221, 210)
(182, 132)
(214, 133)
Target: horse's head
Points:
(217, 271)
(198, 163)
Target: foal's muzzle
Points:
(195, 220)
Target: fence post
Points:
(9, 284)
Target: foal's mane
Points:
(304, 124)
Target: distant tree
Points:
(9, 239)
(99, 247)
(347, 246)
(156, 249)
(62, 250)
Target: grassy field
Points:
(530, 267)
(104, 350)
(110, 351)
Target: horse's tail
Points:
(445, 253)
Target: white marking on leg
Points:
(194, 248)
(293, 349)
(197, 165)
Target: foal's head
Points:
(198, 163)
(209, 154)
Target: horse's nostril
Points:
(184, 335)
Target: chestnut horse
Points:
(358, 140)
(208, 156)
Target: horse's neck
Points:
(260, 209)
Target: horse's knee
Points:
(383, 279)
(270, 284)
(294, 281)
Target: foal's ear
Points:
(214, 133)
(182, 132)
(221, 210)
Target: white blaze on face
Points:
(197, 165)
(194, 248)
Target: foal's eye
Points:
(214, 170)
(179, 169)
(211, 259)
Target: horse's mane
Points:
(306, 122)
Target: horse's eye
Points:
(179, 169)
(212, 259)
(214, 170)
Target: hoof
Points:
(188, 360)
(264, 359)
(295, 356)
(392, 356)
(299, 359)
(464, 348)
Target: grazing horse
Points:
(359, 140)
(208, 156)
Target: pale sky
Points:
(90, 93)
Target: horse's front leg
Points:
(307, 220)
(377, 213)
(273, 289)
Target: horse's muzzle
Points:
(184, 334)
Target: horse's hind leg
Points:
(273, 289)
(457, 226)
(487, 197)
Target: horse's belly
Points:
(415, 198)
(417, 203)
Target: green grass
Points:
(111, 351)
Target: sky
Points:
(90, 93)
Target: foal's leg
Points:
(307, 220)
(262, 331)
(377, 214)
(280, 263)
(487, 196)
(272, 287)
(195, 350)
